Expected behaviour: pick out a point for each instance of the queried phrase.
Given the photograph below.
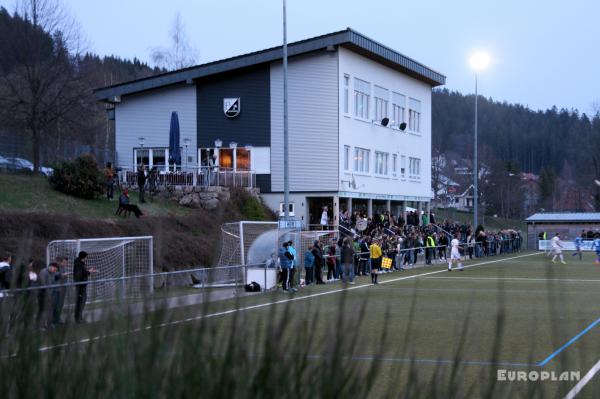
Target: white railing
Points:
(203, 176)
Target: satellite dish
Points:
(385, 121)
(402, 126)
(361, 224)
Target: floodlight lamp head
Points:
(385, 121)
(402, 126)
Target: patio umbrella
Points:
(174, 146)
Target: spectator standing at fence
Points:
(364, 256)
(443, 244)
(347, 255)
(285, 262)
(59, 293)
(376, 254)
(309, 266)
(331, 262)
(81, 274)
(294, 267)
(319, 261)
(46, 277)
(109, 179)
(141, 181)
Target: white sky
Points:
(544, 53)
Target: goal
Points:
(113, 258)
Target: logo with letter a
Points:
(231, 107)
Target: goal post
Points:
(113, 258)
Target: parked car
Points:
(14, 163)
(4, 162)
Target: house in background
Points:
(359, 123)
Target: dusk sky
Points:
(543, 53)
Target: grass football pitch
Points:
(425, 332)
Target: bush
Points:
(80, 178)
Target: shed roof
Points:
(565, 217)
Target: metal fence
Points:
(202, 176)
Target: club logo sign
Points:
(231, 107)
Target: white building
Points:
(359, 123)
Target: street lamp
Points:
(186, 143)
(479, 61)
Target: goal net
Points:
(256, 244)
(113, 258)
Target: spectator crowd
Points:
(384, 243)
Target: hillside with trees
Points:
(560, 147)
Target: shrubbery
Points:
(80, 178)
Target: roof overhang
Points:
(348, 38)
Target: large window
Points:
(361, 160)
(362, 93)
(346, 93)
(151, 158)
(381, 163)
(398, 107)
(414, 115)
(381, 103)
(414, 168)
(238, 158)
(346, 157)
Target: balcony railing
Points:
(203, 176)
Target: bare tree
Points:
(181, 54)
(41, 91)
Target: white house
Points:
(359, 123)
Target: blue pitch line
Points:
(569, 343)
(434, 361)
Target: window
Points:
(398, 107)
(346, 93)
(381, 103)
(414, 115)
(414, 168)
(151, 158)
(242, 159)
(402, 165)
(290, 209)
(361, 160)
(362, 93)
(381, 163)
(394, 164)
(346, 157)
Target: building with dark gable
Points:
(359, 123)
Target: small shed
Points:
(568, 225)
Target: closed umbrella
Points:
(174, 146)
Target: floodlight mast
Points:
(286, 169)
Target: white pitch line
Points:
(515, 279)
(583, 382)
(266, 304)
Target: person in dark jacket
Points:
(347, 256)
(285, 261)
(126, 206)
(317, 252)
(141, 181)
(59, 293)
(46, 277)
(81, 273)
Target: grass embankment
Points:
(32, 213)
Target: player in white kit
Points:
(557, 249)
(455, 255)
